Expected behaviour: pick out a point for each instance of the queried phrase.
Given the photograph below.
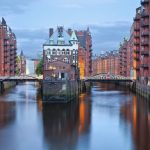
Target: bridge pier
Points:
(1, 87)
(60, 91)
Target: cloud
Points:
(105, 37)
(31, 41)
(108, 37)
(14, 6)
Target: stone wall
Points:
(60, 91)
(143, 90)
(6, 85)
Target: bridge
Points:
(21, 78)
(108, 78)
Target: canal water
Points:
(106, 118)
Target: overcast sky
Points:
(109, 20)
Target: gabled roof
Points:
(60, 35)
(73, 36)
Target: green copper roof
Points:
(73, 37)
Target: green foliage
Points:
(18, 59)
(39, 68)
(17, 71)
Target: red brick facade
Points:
(106, 63)
(7, 50)
(85, 53)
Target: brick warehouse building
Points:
(85, 52)
(142, 42)
(106, 63)
(67, 49)
(8, 50)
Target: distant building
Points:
(30, 67)
(22, 64)
(108, 62)
(8, 48)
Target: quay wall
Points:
(61, 91)
(140, 89)
(143, 90)
(6, 85)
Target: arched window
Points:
(63, 52)
(58, 52)
(67, 52)
(74, 51)
(54, 52)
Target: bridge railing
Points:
(21, 77)
(108, 77)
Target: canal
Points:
(108, 117)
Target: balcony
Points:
(145, 33)
(137, 18)
(144, 14)
(136, 36)
(144, 66)
(6, 56)
(5, 44)
(137, 29)
(145, 52)
(137, 68)
(137, 58)
(145, 24)
(144, 2)
(145, 43)
(136, 43)
(136, 51)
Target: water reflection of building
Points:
(7, 113)
(138, 115)
(63, 124)
(84, 114)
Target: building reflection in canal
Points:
(137, 114)
(64, 123)
(7, 113)
(109, 117)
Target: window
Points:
(68, 52)
(63, 52)
(74, 51)
(54, 52)
(66, 60)
(58, 51)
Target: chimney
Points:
(69, 31)
(51, 31)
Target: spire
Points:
(3, 21)
(21, 54)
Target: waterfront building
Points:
(85, 52)
(60, 54)
(8, 48)
(136, 42)
(145, 41)
(30, 66)
(22, 63)
(142, 42)
(123, 58)
(127, 57)
(68, 48)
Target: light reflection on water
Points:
(108, 117)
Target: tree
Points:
(39, 68)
